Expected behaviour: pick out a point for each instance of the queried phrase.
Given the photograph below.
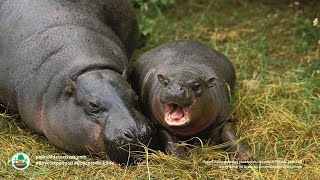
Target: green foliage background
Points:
(149, 9)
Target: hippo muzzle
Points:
(176, 94)
(124, 137)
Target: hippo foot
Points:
(240, 150)
(172, 146)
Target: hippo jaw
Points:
(176, 115)
(187, 120)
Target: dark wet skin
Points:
(184, 87)
(61, 68)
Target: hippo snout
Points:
(125, 137)
(130, 136)
(177, 94)
(176, 88)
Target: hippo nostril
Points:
(128, 135)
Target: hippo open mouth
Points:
(176, 115)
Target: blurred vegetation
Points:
(149, 9)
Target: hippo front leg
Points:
(240, 150)
(171, 145)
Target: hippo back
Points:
(33, 31)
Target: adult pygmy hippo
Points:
(184, 88)
(61, 65)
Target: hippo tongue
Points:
(177, 112)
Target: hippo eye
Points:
(196, 86)
(94, 107)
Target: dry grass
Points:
(276, 103)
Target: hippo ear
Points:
(212, 81)
(162, 79)
(70, 86)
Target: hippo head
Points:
(185, 101)
(98, 113)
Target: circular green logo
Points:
(20, 161)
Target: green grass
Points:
(274, 47)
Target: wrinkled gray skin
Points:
(184, 87)
(61, 65)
